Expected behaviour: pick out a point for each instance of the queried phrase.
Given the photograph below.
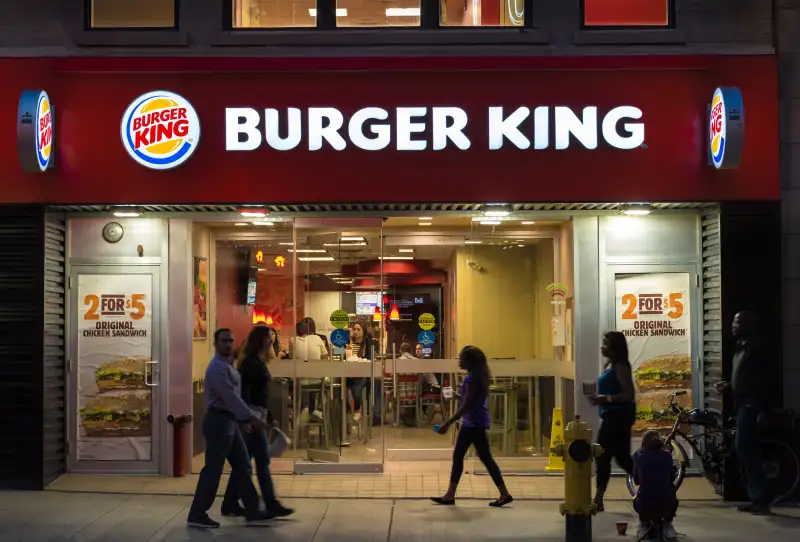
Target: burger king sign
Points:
(160, 129)
(35, 130)
(726, 128)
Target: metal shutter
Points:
(712, 307)
(54, 429)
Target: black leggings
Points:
(475, 436)
(615, 438)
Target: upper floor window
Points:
(131, 14)
(627, 13)
(377, 13)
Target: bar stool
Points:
(503, 411)
(318, 389)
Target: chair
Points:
(503, 411)
(406, 395)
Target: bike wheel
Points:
(680, 459)
(781, 467)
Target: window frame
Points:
(429, 31)
(593, 28)
(77, 20)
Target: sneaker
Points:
(668, 530)
(262, 518)
(279, 511)
(203, 523)
(235, 511)
(316, 415)
(642, 529)
(357, 417)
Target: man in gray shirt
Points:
(225, 409)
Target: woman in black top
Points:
(259, 349)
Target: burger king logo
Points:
(717, 128)
(44, 131)
(160, 130)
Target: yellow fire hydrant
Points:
(578, 452)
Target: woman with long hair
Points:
(362, 349)
(474, 414)
(616, 400)
(261, 347)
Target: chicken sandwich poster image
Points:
(115, 328)
(653, 312)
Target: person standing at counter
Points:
(616, 400)
(257, 352)
(474, 415)
(224, 408)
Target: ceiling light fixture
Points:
(332, 274)
(425, 224)
(406, 250)
(253, 212)
(263, 223)
(425, 218)
(397, 258)
(241, 224)
(637, 209)
(402, 12)
(316, 259)
(471, 242)
(308, 250)
(497, 209)
(344, 244)
(126, 212)
(351, 239)
(490, 222)
(286, 244)
(528, 222)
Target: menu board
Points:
(115, 327)
(366, 303)
(653, 312)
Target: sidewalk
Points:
(395, 485)
(55, 517)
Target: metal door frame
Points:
(148, 266)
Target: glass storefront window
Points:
(274, 13)
(626, 13)
(127, 14)
(482, 13)
(374, 13)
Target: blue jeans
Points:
(223, 441)
(258, 446)
(748, 451)
(357, 384)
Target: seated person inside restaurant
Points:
(428, 384)
(308, 346)
(654, 473)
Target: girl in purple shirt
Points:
(474, 414)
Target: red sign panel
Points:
(626, 12)
(441, 133)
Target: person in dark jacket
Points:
(654, 473)
(751, 362)
(255, 377)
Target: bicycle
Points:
(714, 443)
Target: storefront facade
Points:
(609, 191)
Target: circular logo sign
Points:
(160, 130)
(44, 131)
(339, 319)
(427, 321)
(726, 128)
(340, 338)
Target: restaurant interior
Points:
(421, 287)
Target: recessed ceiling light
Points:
(241, 224)
(470, 242)
(286, 244)
(425, 218)
(263, 223)
(424, 223)
(520, 246)
(253, 212)
(497, 209)
(528, 222)
(397, 258)
(350, 239)
(308, 250)
(332, 274)
(490, 222)
(406, 250)
(317, 259)
(344, 245)
(126, 212)
(639, 209)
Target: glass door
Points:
(339, 345)
(114, 368)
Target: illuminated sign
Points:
(260, 257)
(160, 130)
(726, 128)
(371, 129)
(35, 130)
(280, 261)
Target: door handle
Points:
(152, 383)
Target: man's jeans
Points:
(223, 441)
(748, 451)
(258, 446)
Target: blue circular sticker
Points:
(340, 338)
(426, 338)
